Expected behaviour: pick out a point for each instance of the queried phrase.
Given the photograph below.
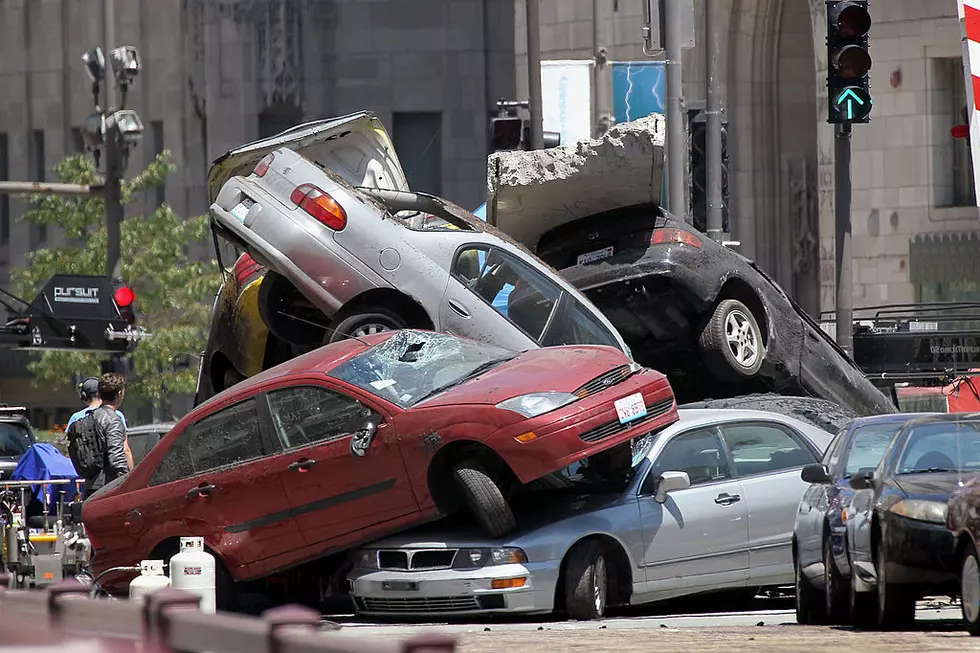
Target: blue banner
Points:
(639, 89)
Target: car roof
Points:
(702, 416)
(939, 418)
(888, 418)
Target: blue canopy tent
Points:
(43, 462)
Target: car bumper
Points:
(450, 592)
(919, 553)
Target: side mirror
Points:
(671, 482)
(361, 441)
(863, 479)
(816, 473)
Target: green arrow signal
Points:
(850, 97)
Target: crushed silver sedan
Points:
(708, 504)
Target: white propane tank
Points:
(192, 570)
(151, 579)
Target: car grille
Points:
(416, 560)
(607, 380)
(419, 604)
(608, 429)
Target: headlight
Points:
(537, 403)
(635, 367)
(930, 511)
(476, 558)
(367, 559)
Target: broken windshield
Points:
(412, 366)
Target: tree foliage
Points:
(171, 288)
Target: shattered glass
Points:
(412, 366)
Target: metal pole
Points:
(113, 159)
(19, 187)
(676, 139)
(842, 240)
(713, 121)
(534, 74)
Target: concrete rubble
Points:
(531, 192)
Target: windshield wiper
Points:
(930, 470)
(478, 370)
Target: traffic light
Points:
(125, 300)
(551, 139)
(699, 177)
(506, 132)
(849, 62)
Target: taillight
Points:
(320, 205)
(262, 166)
(666, 236)
(244, 268)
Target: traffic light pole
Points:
(842, 240)
(113, 201)
(534, 74)
(713, 145)
(676, 138)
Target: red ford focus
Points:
(367, 437)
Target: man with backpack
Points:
(97, 440)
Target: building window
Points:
(4, 199)
(418, 140)
(952, 163)
(156, 129)
(38, 232)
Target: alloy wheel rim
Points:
(598, 594)
(970, 589)
(370, 329)
(741, 338)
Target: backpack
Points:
(86, 446)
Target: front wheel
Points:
(731, 342)
(809, 604)
(484, 498)
(836, 599)
(365, 322)
(863, 607)
(970, 590)
(896, 606)
(586, 582)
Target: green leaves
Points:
(173, 292)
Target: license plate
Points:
(631, 408)
(400, 585)
(240, 210)
(597, 255)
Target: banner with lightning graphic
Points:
(639, 89)
(969, 14)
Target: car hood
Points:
(537, 511)
(934, 487)
(334, 140)
(549, 369)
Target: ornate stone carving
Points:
(802, 198)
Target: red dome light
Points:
(124, 296)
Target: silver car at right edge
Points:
(708, 504)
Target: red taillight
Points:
(960, 131)
(124, 296)
(666, 236)
(244, 268)
(262, 166)
(320, 205)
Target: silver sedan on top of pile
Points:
(707, 504)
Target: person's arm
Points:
(129, 455)
(115, 437)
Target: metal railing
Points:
(169, 621)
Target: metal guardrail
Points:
(169, 621)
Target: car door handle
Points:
(725, 499)
(303, 465)
(458, 309)
(203, 490)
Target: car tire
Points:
(276, 294)
(970, 589)
(231, 377)
(366, 321)
(484, 498)
(863, 605)
(896, 606)
(809, 603)
(835, 589)
(731, 342)
(586, 582)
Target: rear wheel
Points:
(731, 342)
(366, 321)
(970, 589)
(896, 605)
(287, 314)
(586, 581)
(836, 599)
(809, 603)
(484, 498)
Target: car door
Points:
(223, 472)
(768, 457)
(331, 491)
(494, 297)
(811, 512)
(697, 539)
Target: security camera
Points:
(93, 130)
(125, 63)
(94, 64)
(127, 122)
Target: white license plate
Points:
(597, 255)
(240, 210)
(631, 408)
(400, 585)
